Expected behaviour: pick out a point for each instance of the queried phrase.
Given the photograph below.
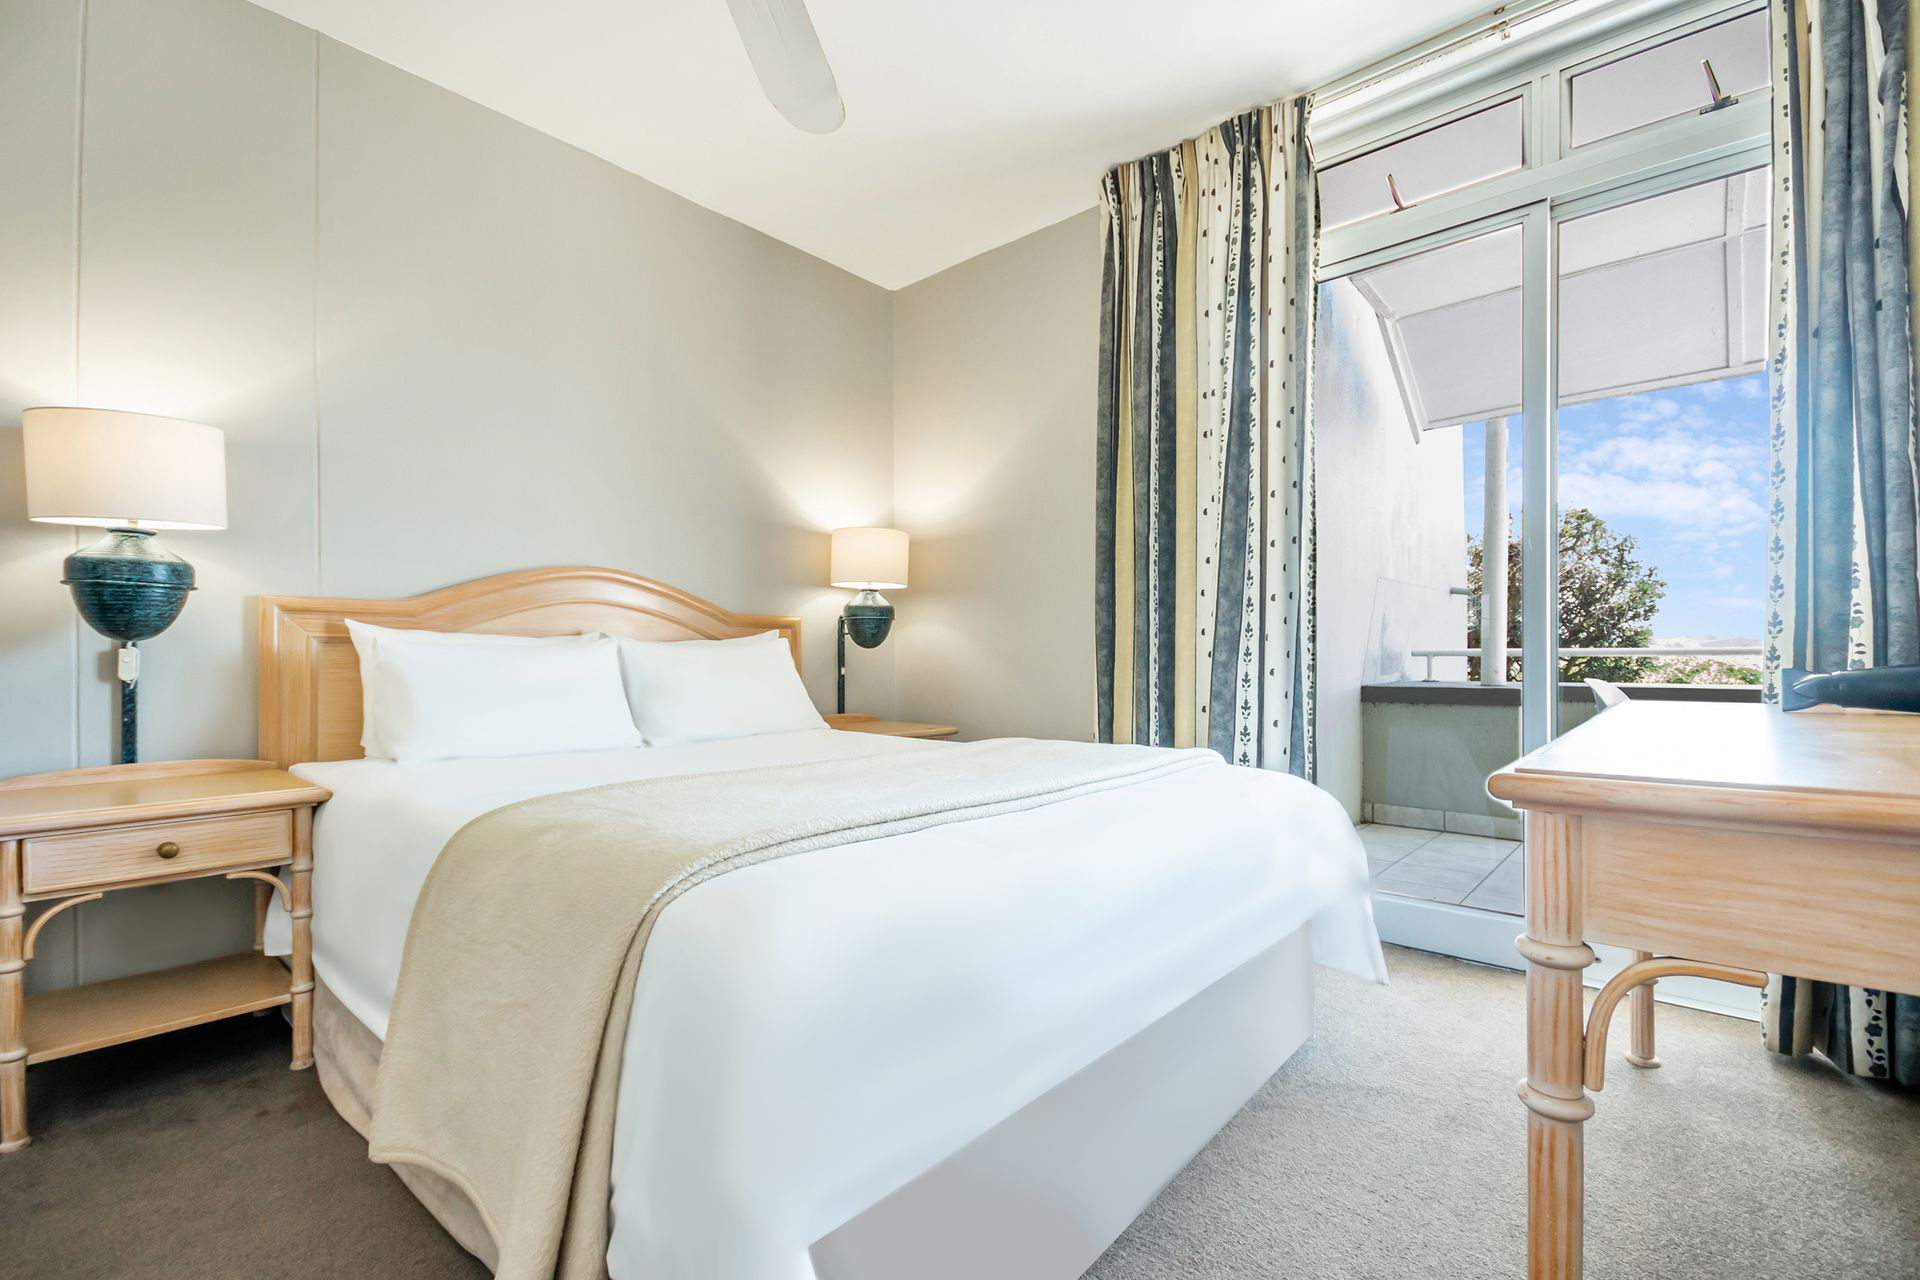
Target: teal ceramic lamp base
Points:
(866, 620)
(128, 588)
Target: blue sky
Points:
(1685, 472)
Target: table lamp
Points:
(865, 560)
(132, 474)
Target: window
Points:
(1457, 154)
(1541, 430)
(1662, 437)
(1669, 79)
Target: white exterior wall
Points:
(1391, 534)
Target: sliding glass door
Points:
(1661, 422)
(1540, 433)
(1419, 431)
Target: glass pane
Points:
(1663, 443)
(1668, 80)
(1458, 154)
(1417, 385)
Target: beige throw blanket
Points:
(502, 1058)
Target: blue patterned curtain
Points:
(1844, 590)
(1204, 525)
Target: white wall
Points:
(444, 345)
(441, 345)
(996, 365)
(1390, 535)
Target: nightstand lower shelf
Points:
(99, 1014)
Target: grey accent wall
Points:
(995, 374)
(441, 345)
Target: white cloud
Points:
(1678, 476)
(1678, 502)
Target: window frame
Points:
(1499, 96)
(1556, 182)
(1551, 168)
(1572, 71)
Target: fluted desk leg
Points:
(1555, 1088)
(1642, 1053)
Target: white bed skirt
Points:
(1037, 1197)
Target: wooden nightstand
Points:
(68, 838)
(854, 722)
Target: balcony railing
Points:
(1658, 651)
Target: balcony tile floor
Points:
(1439, 866)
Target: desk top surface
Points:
(1826, 755)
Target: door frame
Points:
(1468, 932)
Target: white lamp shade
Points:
(112, 469)
(869, 558)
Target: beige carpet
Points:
(1392, 1146)
(1389, 1147)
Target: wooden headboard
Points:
(310, 676)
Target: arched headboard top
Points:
(310, 676)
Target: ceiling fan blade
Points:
(792, 67)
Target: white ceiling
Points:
(969, 122)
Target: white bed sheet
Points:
(811, 1033)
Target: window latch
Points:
(1716, 99)
(1393, 189)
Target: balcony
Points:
(1656, 462)
(1427, 746)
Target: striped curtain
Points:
(1204, 526)
(1844, 586)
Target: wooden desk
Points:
(1725, 841)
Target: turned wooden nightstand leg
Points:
(262, 897)
(1641, 1004)
(302, 958)
(13, 1002)
(1554, 1091)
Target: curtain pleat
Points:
(1844, 579)
(1203, 533)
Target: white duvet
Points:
(811, 1033)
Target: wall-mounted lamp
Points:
(132, 474)
(865, 560)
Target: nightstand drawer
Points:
(155, 850)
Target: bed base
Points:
(1040, 1195)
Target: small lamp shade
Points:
(111, 469)
(869, 559)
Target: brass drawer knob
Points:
(168, 849)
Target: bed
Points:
(985, 1062)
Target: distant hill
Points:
(1702, 642)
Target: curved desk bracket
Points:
(1641, 972)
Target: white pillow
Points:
(441, 696)
(367, 639)
(699, 690)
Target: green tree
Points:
(1607, 599)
